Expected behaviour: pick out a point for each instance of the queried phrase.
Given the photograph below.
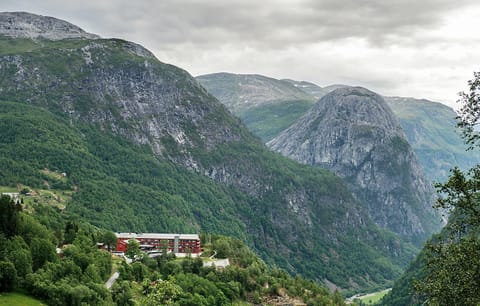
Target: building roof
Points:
(157, 236)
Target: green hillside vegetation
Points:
(403, 292)
(60, 121)
(166, 280)
(28, 262)
(18, 299)
(268, 120)
(445, 272)
(108, 175)
(28, 259)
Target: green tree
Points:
(71, 229)
(22, 259)
(139, 271)
(109, 239)
(453, 258)
(9, 216)
(122, 293)
(8, 276)
(469, 114)
(162, 293)
(18, 252)
(91, 275)
(42, 251)
(133, 249)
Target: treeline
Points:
(29, 260)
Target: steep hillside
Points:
(266, 105)
(146, 148)
(353, 133)
(430, 129)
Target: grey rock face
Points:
(26, 25)
(353, 133)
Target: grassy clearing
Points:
(54, 197)
(7, 189)
(19, 299)
(55, 175)
(373, 298)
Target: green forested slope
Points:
(110, 175)
(29, 264)
(123, 187)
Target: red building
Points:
(175, 243)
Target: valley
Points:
(302, 187)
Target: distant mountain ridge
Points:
(316, 91)
(352, 132)
(240, 91)
(266, 105)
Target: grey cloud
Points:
(264, 24)
(277, 24)
(395, 45)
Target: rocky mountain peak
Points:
(359, 106)
(352, 132)
(27, 25)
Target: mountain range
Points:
(145, 147)
(430, 127)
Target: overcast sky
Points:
(420, 48)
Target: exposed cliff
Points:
(353, 133)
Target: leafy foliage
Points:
(469, 114)
(171, 281)
(452, 262)
(447, 271)
(77, 278)
(133, 249)
(9, 216)
(8, 276)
